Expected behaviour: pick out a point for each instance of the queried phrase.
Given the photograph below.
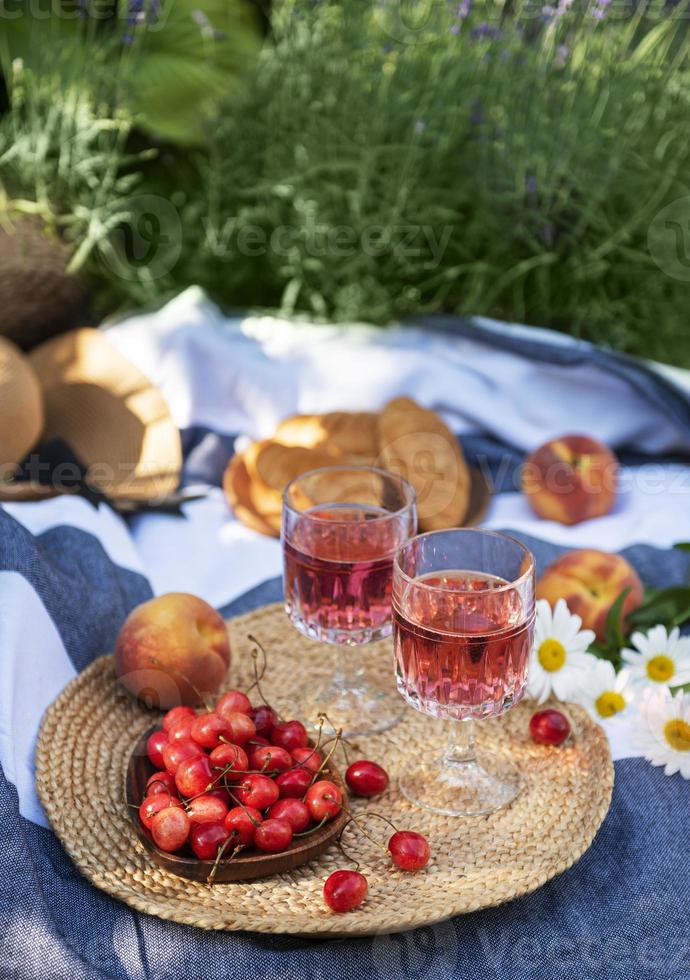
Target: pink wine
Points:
(462, 644)
(338, 564)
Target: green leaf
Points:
(682, 545)
(670, 607)
(614, 635)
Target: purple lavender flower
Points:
(531, 185)
(485, 30)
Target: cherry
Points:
(293, 812)
(273, 836)
(294, 782)
(257, 790)
(308, 757)
(264, 718)
(270, 758)
(194, 776)
(233, 701)
(208, 730)
(241, 822)
(289, 735)
(155, 744)
(409, 850)
(206, 808)
(181, 729)
(227, 754)
(172, 718)
(154, 804)
(324, 800)
(549, 727)
(170, 828)
(176, 753)
(345, 890)
(241, 726)
(366, 778)
(221, 794)
(160, 782)
(207, 838)
(256, 741)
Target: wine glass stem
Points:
(461, 748)
(347, 669)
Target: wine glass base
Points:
(364, 710)
(463, 789)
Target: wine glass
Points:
(463, 619)
(342, 526)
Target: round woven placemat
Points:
(87, 737)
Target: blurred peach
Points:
(570, 479)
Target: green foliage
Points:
(668, 607)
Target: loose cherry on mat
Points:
(209, 729)
(194, 776)
(295, 812)
(289, 735)
(173, 717)
(207, 838)
(264, 718)
(257, 790)
(549, 727)
(409, 850)
(206, 809)
(366, 778)
(273, 836)
(175, 753)
(345, 890)
(161, 782)
(307, 757)
(154, 804)
(241, 822)
(170, 828)
(233, 701)
(270, 758)
(294, 782)
(324, 800)
(155, 744)
(228, 755)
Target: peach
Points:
(570, 479)
(590, 582)
(172, 650)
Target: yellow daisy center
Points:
(660, 668)
(609, 703)
(677, 734)
(551, 655)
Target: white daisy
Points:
(604, 693)
(661, 658)
(558, 654)
(663, 734)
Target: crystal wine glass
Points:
(342, 526)
(463, 619)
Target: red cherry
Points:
(226, 755)
(209, 729)
(324, 800)
(207, 838)
(233, 701)
(194, 776)
(409, 850)
(289, 735)
(264, 718)
(241, 726)
(366, 778)
(549, 727)
(154, 804)
(273, 836)
(308, 758)
(257, 790)
(223, 795)
(160, 782)
(270, 758)
(170, 828)
(181, 729)
(255, 742)
(206, 809)
(241, 822)
(294, 782)
(345, 890)
(172, 718)
(155, 744)
(293, 812)
(176, 753)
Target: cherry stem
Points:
(214, 870)
(178, 673)
(324, 765)
(343, 849)
(353, 819)
(305, 833)
(258, 675)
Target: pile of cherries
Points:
(238, 777)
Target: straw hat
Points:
(21, 407)
(112, 418)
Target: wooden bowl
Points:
(247, 865)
